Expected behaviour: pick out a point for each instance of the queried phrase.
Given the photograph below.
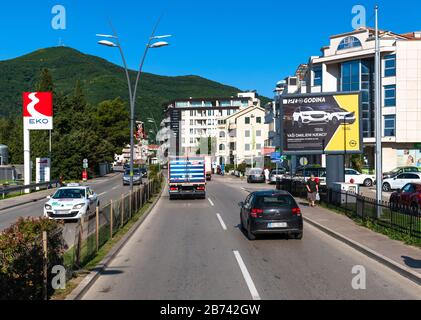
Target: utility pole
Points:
(378, 113)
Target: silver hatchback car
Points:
(256, 176)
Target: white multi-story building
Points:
(347, 64)
(193, 119)
(241, 137)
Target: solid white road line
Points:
(210, 201)
(247, 277)
(101, 194)
(116, 187)
(221, 222)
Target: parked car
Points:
(339, 115)
(307, 115)
(302, 174)
(400, 170)
(256, 176)
(275, 174)
(359, 178)
(401, 180)
(72, 202)
(407, 197)
(268, 212)
(137, 177)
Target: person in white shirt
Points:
(267, 172)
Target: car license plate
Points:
(277, 225)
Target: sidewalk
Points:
(36, 196)
(403, 258)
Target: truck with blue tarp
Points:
(187, 177)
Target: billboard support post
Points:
(335, 169)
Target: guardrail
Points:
(16, 189)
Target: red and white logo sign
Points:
(38, 110)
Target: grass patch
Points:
(376, 227)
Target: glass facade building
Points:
(358, 75)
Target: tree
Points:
(45, 83)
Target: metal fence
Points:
(5, 190)
(90, 234)
(405, 219)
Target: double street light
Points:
(115, 43)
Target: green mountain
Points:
(101, 80)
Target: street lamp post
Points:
(132, 92)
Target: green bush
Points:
(21, 258)
(242, 168)
(229, 167)
(153, 171)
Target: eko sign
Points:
(38, 110)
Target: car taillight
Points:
(256, 213)
(173, 189)
(296, 212)
(201, 188)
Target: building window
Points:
(389, 125)
(258, 133)
(247, 133)
(192, 113)
(247, 147)
(259, 120)
(349, 42)
(390, 96)
(258, 146)
(222, 134)
(221, 147)
(390, 65)
(247, 120)
(317, 76)
(225, 103)
(350, 76)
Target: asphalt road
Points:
(194, 249)
(107, 188)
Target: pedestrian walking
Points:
(312, 191)
(267, 173)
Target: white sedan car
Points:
(366, 180)
(307, 115)
(72, 202)
(401, 180)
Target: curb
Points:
(21, 204)
(89, 280)
(402, 270)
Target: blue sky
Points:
(247, 44)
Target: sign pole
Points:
(378, 113)
(27, 158)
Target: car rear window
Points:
(274, 201)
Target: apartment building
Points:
(241, 137)
(193, 119)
